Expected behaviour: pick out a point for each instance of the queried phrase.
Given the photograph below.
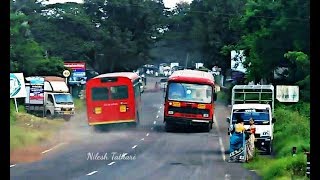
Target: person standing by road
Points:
(236, 139)
(250, 142)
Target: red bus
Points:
(114, 98)
(189, 99)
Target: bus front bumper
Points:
(187, 121)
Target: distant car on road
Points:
(163, 83)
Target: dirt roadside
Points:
(60, 136)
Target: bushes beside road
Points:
(292, 129)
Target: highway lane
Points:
(156, 154)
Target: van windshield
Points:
(260, 116)
(63, 98)
(190, 92)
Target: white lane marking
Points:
(252, 170)
(152, 128)
(159, 111)
(134, 146)
(227, 177)
(111, 163)
(147, 134)
(220, 140)
(53, 148)
(157, 116)
(142, 139)
(13, 165)
(154, 122)
(160, 107)
(93, 172)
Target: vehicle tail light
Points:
(170, 112)
(205, 115)
(123, 108)
(97, 110)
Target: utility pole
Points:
(187, 59)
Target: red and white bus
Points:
(114, 98)
(189, 99)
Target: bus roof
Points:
(130, 75)
(192, 76)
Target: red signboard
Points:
(75, 65)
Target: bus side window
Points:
(137, 90)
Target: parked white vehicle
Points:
(257, 102)
(56, 100)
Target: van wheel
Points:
(49, 115)
(67, 118)
(269, 149)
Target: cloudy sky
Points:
(167, 3)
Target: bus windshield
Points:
(190, 92)
(260, 116)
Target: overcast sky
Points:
(167, 3)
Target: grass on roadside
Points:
(292, 129)
(281, 168)
(79, 104)
(28, 130)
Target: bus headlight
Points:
(170, 112)
(205, 115)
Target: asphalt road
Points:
(150, 152)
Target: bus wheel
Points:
(208, 127)
(168, 127)
(97, 128)
(135, 124)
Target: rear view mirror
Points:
(214, 96)
(228, 119)
(273, 120)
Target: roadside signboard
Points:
(17, 86)
(78, 73)
(36, 90)
(287, 93)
